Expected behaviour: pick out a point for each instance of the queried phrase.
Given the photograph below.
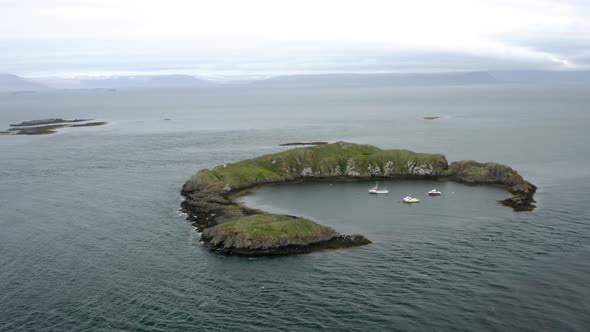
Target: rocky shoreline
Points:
(237, 243)
(337, 242)
(230, 228)
(473, 173)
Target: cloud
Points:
(38, 35)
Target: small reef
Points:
(48, 126)
(46, 122)
(231, 228)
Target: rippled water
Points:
(91, 238)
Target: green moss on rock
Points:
(274, 227)
(324, 161)
(274, 234)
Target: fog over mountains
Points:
(122, 82)
(387, 79)
(10, 82)
(13, 83)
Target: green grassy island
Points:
(231, 228)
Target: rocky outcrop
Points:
(238, 245)
(209, 193)
(474, 173)
(45, 122)
(268, 234)
(48, 126)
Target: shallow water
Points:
(91, 237)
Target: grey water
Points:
(91, 237)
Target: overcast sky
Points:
(259, 37)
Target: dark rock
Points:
(49, 126)
(240, 246)
(474, 173)
(45, 122)
(90, 124)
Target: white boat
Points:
(377, 190)
(409, 199)
(434, 192)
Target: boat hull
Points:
(412, 200)
(378, 191)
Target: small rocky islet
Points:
(48, 126)
(302, 143)
(231, 228)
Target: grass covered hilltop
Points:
(231, 228)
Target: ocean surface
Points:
(91, 237)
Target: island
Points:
(231, 228)
(302, 143)
(48, 126)
(45, 122)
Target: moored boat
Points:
(409, 199)
(377, 190)
(434, 192)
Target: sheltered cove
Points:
(231, 228)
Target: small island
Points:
(48, 126)
(46, 122)
(302, 143)
(231, 228)
(432, 117)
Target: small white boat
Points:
(377, 190)
(434, 192)
(409, 199)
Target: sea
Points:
(92, 238)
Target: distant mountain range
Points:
(389, 79)
(127, 82)
(542, 77)
(10, 82)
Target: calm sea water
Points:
(91, 237)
